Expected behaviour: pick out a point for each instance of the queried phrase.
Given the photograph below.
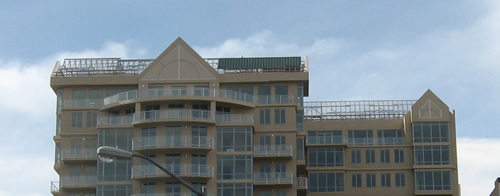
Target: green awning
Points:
(259, 63)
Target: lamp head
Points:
(108, 154)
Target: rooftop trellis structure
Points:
(100, 66)
(346, 110)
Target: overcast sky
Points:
(358, 50)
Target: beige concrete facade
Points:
(241, 130)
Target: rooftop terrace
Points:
(118, 66)
(347, 110)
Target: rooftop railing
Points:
(352, 110)
(273, 178)
(186, 170)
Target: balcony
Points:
(174, 115)
(391, 141)
(277, 99)
(273, 178)
(171, 194)
(234, 118)
(181, 170)
(115, 120)
(273, 151)
(302, 183)
(360, 141)
(88, 181)
(326, 140)
(79, 154)
(82, 103)
(173, 142)
(54, 187)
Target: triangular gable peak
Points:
(430, 108)
(178, 62)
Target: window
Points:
(230, 139)
(399, 156)
(300, 95)
(91, 119)
(148, 138)
(280, 193)
(201, 90)
(114, 190)
(325, 156)
(172, 188)
(432, 180)
(96, 97)
(264, 94)
(355, 156)
(360, 137)
(76, 119)
(432, 155)
(234, 167)
(199, 164)
(79, 98)
(179, 90)
(370, 180)
(279, 116)
(60, 99)
(356, 180)
(370, 156)
(148, 188)
(325, 137)
(58, 124)
(390, 137)
(430, 132)
(200, 111)
(400, 179)
(174, 137)
(385, 156)
(300, 149)
(281, 93)
(385, 179)
(118, 170)
(199, 136)
(265, 116)
(326, 182)
(58, 153)
(152, 112)
(234, 189)
(173, 163)
(265, 193)
(243, 93)
(300, 120)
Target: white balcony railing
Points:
(234, 118)
(79, 154)
(269, 178)
(183, 170)
(115, 120)
(174, 114)
(273, 151)
(301, 182)
(187, 141)
(78, 181)
(391, 141)
(326, 140)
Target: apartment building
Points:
(240, 126)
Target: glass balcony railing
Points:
(273, 151)
(360, 141)
(301, 182)
(171, 194)
(266, 178)
(391, 141)
(79, 154)
(82, 103)
(202, 142)
(184, 170)
(115, 120)
(277, 99)
(174, 114)
(78, 181)
(234, 118)
(54, 187)
(326, 140)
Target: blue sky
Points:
(357, 49)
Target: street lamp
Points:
(108, 154)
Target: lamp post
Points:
(108, 154)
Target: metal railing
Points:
(174, 114)
(100, 66)
(360, 141)
(185, 170)
(54, 187)
(273, 178)
(78, 181)
(273, 150)
(301, 182)
(391, 141)
(326, 140)
(115, 120)
(186, 141)
(276, 99)
(214, 62)
(82, 103)
(170, 194)
(346, 110)
(234, 118)
(79, 154)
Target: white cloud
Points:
(479, 165)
